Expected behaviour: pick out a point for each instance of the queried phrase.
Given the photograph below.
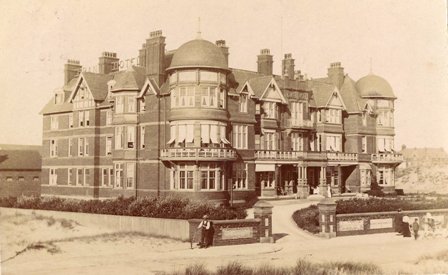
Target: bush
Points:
(307, 219)
(164, 207)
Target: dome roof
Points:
(199, 53)
(374, 86)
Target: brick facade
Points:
(183, 122)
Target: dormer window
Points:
(270, 110)
(364, 118)
(334, 116)
(59, 98)
(243, 103)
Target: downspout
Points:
(158, 147)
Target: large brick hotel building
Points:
(183, 122)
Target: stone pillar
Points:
(327, 218)
(263, 211)
(323, 181)
(302, 187)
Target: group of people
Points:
(425, 228)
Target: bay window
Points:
(333, 143)
(240, 136)
(297, 142)
(385, 175)
(209, 176)
(270, 109)
(334, 116)
(384, 144)
(270, 141)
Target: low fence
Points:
(171, 228)
(229, 232)
(332, 224)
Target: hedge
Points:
(307, 218)
(164, 207)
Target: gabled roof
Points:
(15, 157)
(323, 92)
(97, 84)
(288, 84)
(149, 86)
(132, 79)
(51, 107)
(276, 93)
(239, 78)
(350, 95)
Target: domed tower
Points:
(378, 94)
(198, 149)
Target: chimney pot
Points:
(265, 52)
(157, 33)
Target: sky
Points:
(404, 41)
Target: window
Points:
(333, 116)
(385, 175)
(35, 178)
(222, 99)
(81, 119)
(86, 176)
(108, 146)
(80, 147)
(87, 118)
(54, 122)
(267, 179)
(333, 143)
(130, 137)
(58, 98)
(186, 97)
(239, 175)
(119, 104)
(297, 110)
(130, 175)
(270, 109)
(243, 103)
(21, 178)
(297, 142)
(364, 144)
(118, 175)
(53, 177)
(142, 103)
(70, 147)
(385, 118)
(70, 120)
(142, 137)
(209, 96)
(79, 177)
(364, 119)
(53, 148)
(270, 141)
(385, 144)
(365, 177)
(119, 137)
(10, 179)
(131, 104)
(70, 176)
(108, 117)
(186, 177)
(104, 174)
(240, 136)
(86, 146)
(209, 176)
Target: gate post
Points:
(327, 218)
(263, 211)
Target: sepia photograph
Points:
(223, 137)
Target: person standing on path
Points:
(205, 226)
(415, 228)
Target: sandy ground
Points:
(69, 248)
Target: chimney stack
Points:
(108, 62)
(225, 50)
(288, 66)
(336, 74)
(71, 70)
(265, 62)
(154, 56)
(298, 75)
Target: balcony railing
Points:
(339, 156)
(198, 154)
(284, 155)
(387, 157)
(300, 123)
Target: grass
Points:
(441, 256)
(302, 267)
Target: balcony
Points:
(387, 158)
(339, 156)
(280, 155)
(206, 154)
(300, 123)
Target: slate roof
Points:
(132, 79)
(199, 53)
(259, 84)
(374, 86)
(321, 92)
(350, 96)
(238, 78)
(20, 157)
(97, 84)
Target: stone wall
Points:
(229, 232)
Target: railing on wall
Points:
(273, 154)
(300, 123)
(387, 157)
(197, 153)
(339, 156)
